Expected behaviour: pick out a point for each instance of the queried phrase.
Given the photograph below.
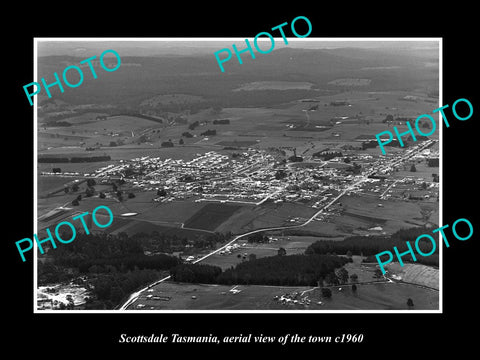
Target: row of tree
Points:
(110, 288)
(51, 159)
(120, 251)
(287, 270)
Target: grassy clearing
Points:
(381, 296)
(48, 184)
(416, 274)
(180, 296)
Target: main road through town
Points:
(351, 187)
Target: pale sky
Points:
(85, 47)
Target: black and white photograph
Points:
(202, 181)
(259, 187)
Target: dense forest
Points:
(371, 245)
(195, 273)
(115, 265)
(291, 270)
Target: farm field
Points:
(87, 167)
(265, 215)
(210, 297)
(274, 85)
(385, 296)
(364, 213)
(292, 245)
(381, 296)
(48, 184)
(211, 216)
(416, 273)
(374, 294)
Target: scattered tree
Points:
(342, 275)
(326, 293)
(331, 279)
(389, 118)
(410, 303)
(89, 191)
(377, 273)
(168, 143)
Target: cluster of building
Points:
(252, 176)
(294, 298)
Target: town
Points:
(254, 176)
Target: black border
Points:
(384, 334)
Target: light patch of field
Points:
(264, 216)
(211, 297)
(81, 168)
(126, 153)
(322, 228)
(416, 274)
(275, 85)
(350, 82)
(292, 245)
(363, 212)
(117, 124)
(380, 67)
(377, 296)
(423, 171)
(85, 118)
(169, 99)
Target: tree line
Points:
(115, 266)
(371, 245)
(117, 253)
(73, 159)
(287, 270)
